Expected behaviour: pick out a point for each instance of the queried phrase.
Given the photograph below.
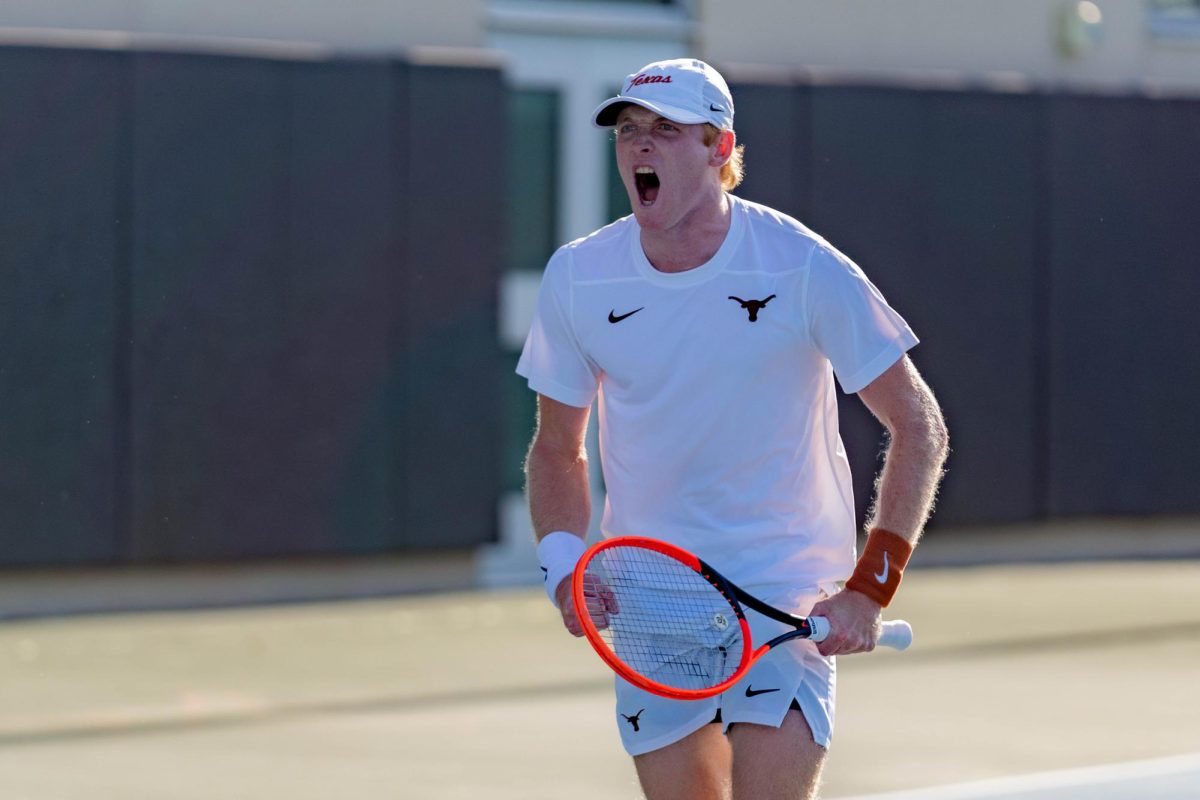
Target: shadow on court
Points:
(1018, 673)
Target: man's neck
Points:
(691, 243)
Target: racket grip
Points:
(897, 634)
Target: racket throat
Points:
(799, 633)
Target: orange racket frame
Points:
(595, 639)
(896, 634)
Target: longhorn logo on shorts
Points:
(634, 719)
(752, 306)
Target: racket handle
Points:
(897, 634)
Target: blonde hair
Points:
(735, 168)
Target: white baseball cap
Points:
(684, 90)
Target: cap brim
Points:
(605, 115)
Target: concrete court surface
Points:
(1016, 669)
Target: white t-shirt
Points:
(718, 414)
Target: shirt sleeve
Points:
(552, 361)
(850, 322)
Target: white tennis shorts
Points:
(793, 671)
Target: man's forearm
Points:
(908, 482)
(559, 495)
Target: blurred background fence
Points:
(248, 305)
(1041, 245)
(251, 297)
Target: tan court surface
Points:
(482, 695)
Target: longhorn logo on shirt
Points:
(634, 719)
(753, 306)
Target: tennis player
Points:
(711, 329)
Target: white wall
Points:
(971, 37)
(350, 25)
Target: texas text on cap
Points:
(684, 90)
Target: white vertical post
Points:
(585, 70)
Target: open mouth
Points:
(646, 181)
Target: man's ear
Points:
(725, 142)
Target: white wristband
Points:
(558, 553)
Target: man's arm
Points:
(917, 449)
(556, 479)
(918, 444)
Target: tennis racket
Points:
(669, 623)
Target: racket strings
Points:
(662, 619)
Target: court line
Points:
(103, 724)
(256, 712)
(1054, 779)
(1041, 643)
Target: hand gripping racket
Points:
(670, 624)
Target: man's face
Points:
(665, 166)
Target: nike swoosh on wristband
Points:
(882, 578)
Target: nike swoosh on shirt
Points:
(752, 692)
(882, 578)
(612, 315)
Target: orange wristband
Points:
(879, 569)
